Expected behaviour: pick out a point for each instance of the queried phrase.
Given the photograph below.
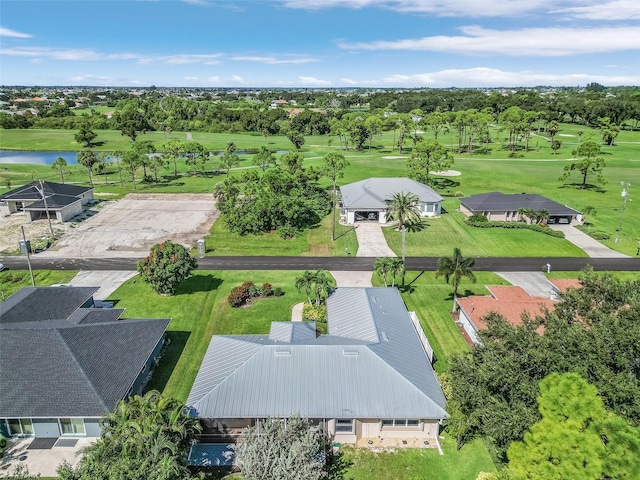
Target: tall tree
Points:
(264, 158)
(382, 267)
(403, 208)
(425, 157)
(60, 166)
(85, 135)
(166, 266)
(172, 150)
(229, 159)
(334, 165)
(87, 158)
(277, 449)
(589, 162)
(454, 268)
(575, 439)
(297, 139)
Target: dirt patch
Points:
(36, 232)
(131, 226)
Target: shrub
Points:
(527, 226)
(267, 290)
(313, 313)
(237, 297)
(287, 232)
(277, 292)
(477, 218)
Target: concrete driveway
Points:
(371, 241)
(534, 283)
(592, 247)
(107, 280)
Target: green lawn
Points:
(414, 464)
(448, 231)
(200, 310)
(316, 241)
(536, 172)
(13, 280)
(432, 300)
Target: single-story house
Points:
(366, 199)
(369, 378)
(509, 301)
(63, 201)
(65, 363)
(504, 207)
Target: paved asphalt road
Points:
(488, 264)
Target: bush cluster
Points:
(242, 294)
(528, 226)
(314, 314)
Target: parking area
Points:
(131, 226)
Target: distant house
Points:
(366, 199)
(63, 201)
(65, 363)
(369, 379)
(508, 301)
(294, 112)
(504, 207)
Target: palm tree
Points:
(305, 282)
(382, 266)
(396, 268)
(454, 268)
(403, 207)
(321, 285)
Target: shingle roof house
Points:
(64, 363)
(369, 377)
(366, 199)
(62, 200)
(504, 207)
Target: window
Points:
(20, 426)
(72, 426)
(344, 425)
(400, 423)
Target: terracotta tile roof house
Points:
(561, 285)
(63, 201)
(366, 199)
(65, 363)
(509, 301)
(369, 377)
(504, 207)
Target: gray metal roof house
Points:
(366, 199)
(63, 201)
(369, 377)
(504, 207)
(65, 363)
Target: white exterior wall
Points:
(351, 217)
(372, 428)
(382, 217)
(468, 326)
(86, 197)
(70, 211)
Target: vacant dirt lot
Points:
(132, 225)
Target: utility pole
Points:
(624, 195)
(46, 209)
(26, 248)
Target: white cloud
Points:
(443, 8)
(536, 42)
(491, 77)
(602, 11)
(348, 81)
(236, 79)
(77, 54)
(313, 81)
(6, 32)
(291, 59)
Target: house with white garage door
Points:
(367, 199)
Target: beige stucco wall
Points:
(70, 211)
(372, 428)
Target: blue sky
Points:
(320, 43)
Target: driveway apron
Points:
(107, 280)
(534, 283)
(371, 241)
(592, 247)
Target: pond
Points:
(47, 158)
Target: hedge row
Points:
(527, 226)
